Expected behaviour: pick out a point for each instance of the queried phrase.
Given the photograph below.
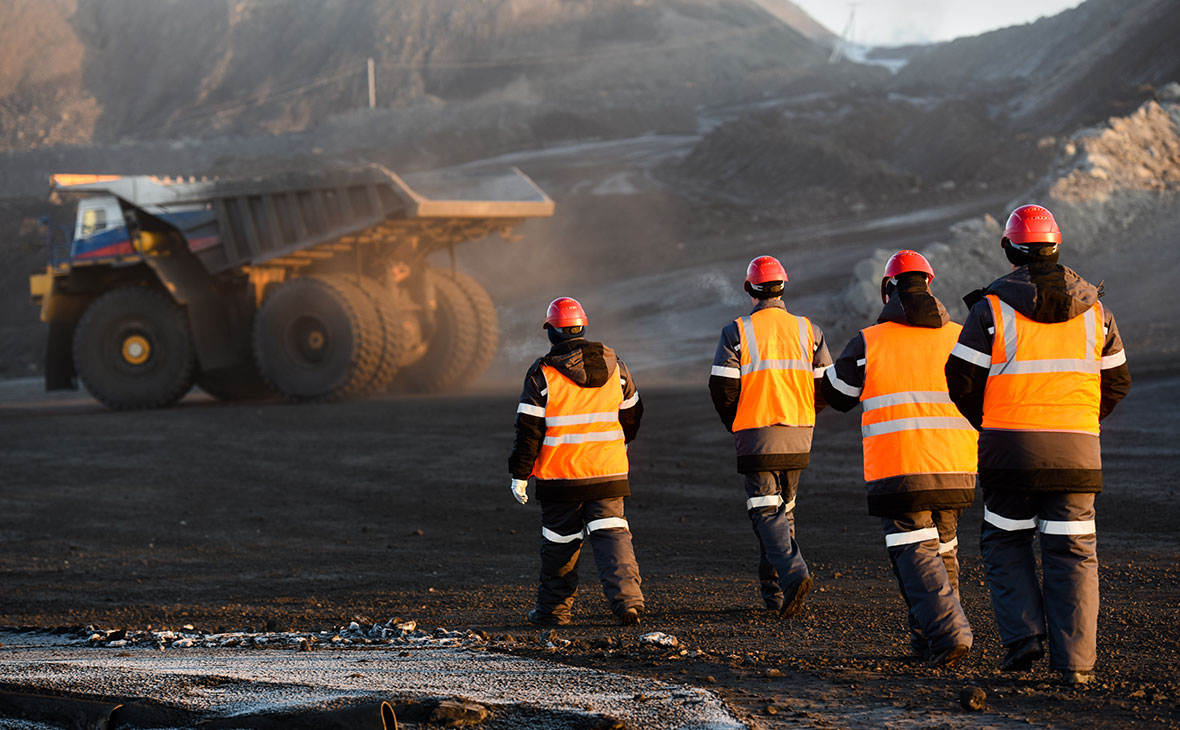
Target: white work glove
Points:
(518, 487)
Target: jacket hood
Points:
(933, 317)
(587, 363)
(774, 302)
(1054, 295)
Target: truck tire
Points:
(389, 324)
(452, 343)
(487, 338)
(317, 339)
(133, 349)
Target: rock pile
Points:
(1107, 181)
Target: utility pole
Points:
(372, 85)
(846, 36)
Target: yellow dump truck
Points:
(316, 286)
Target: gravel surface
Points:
(215, 683)
(270, 517)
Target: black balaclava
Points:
(1053, 301)
(765, 290)
(564, 334)
(921, 308)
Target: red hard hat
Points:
(764, 269)
(565, 312)
(1031, 224)
(904, 262)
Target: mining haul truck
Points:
(316, 286)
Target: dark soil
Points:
(274, 516)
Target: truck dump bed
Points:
(283, 219)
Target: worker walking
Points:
(765, 387)
(1039, 363)
(578, 410)
(919, 452)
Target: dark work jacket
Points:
(1052, 461)
(588, 364)
(842, 386)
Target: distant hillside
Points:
(86, 71)
(1077, 67)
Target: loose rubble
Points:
(395, 631)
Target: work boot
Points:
(1078, 677)
(1022, 654)
(948, 657)
(793, 598)
(920, 647)
(536, 618)
(631, 616)
(774, 603)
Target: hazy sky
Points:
(895, 22)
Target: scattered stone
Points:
(547, 637)
(772, 672)
(455, 713)
(972, 698)
(418, 533)
(609, 723)
(640, 697)
(710, 679)
(771, 710)
(304, 645)
(659, 638)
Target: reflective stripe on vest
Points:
(778, 385)
(583, 437)
(1044, 376)
(908, 423)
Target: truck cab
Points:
(99, 230)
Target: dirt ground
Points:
(305, 517)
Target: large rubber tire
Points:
(487, 338)
(389, 319)
(452, 342)
(317, 339)
(133, 349)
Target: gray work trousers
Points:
(770, 503)
(924, 551)
(1063, 605)
(564, 525)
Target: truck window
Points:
(93, 221)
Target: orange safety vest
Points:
(908, 423)
(583, 437)
(778, 380)
(1044, 376)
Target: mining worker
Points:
(1039, 363)
(578, 410)
(765, 387)
(919, 452)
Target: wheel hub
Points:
(310, 338)
(136, 349)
